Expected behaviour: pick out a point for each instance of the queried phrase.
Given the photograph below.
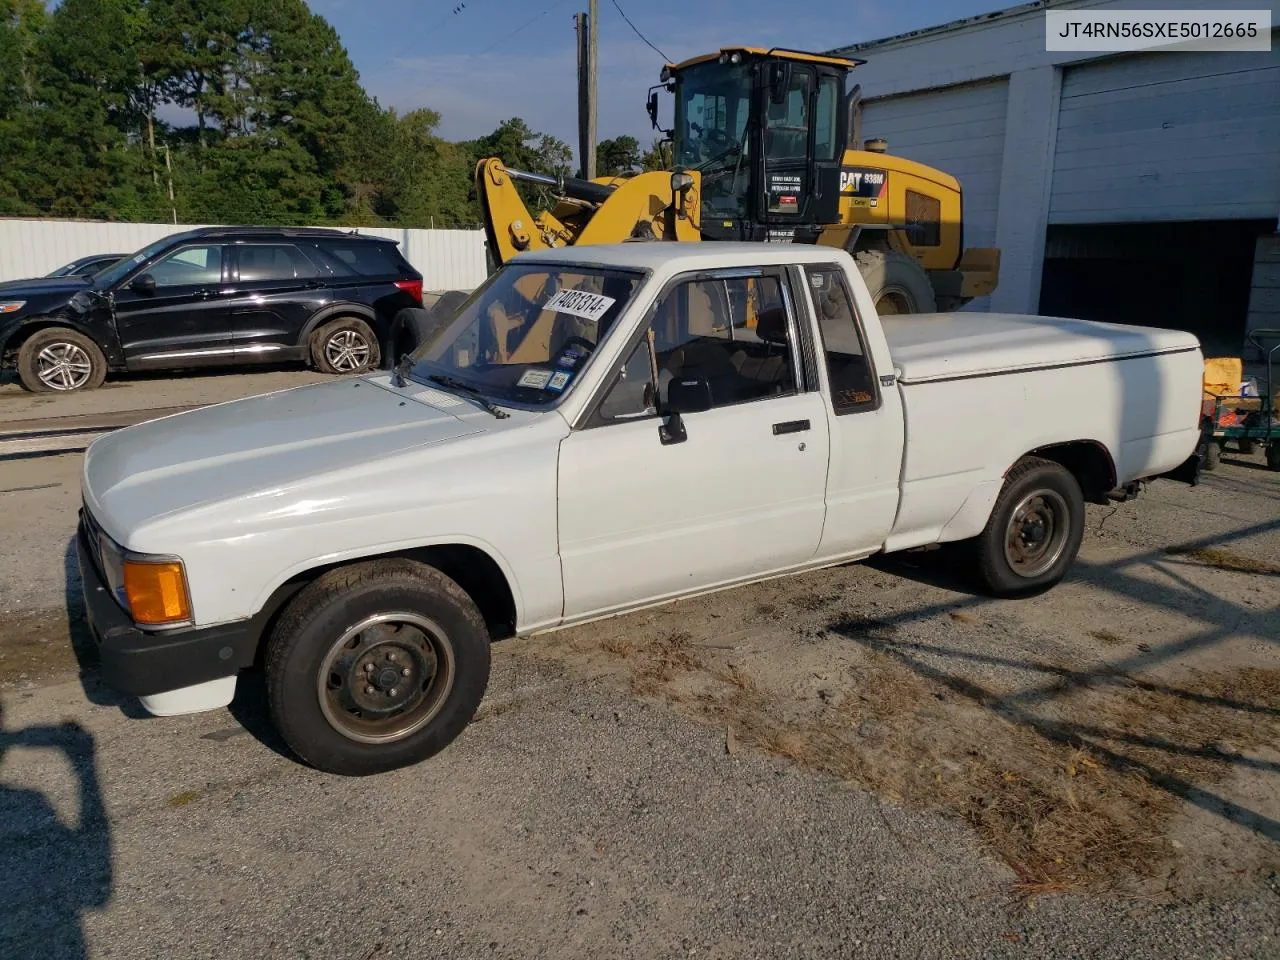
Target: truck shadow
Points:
(51, 873)
(1042, 708)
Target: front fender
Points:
(12, 334)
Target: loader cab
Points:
(766, 131)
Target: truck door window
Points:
(732, 332)
(853, 387)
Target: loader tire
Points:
(897, 283)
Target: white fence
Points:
(447, 259)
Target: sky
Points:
(493, 60)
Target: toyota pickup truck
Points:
(598, 429)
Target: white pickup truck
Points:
(599, 429)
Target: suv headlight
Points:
(152, 589)
(11, 306)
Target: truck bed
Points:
(979, 390)
(948, 346)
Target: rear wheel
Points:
(60, 360)
(376, 666)
(1034, 532)
(344, 346)
(1273, 454)
(897, 283)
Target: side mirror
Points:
(144, 284)
(779, 82)
(652, 107)
(688, 395)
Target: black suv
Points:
(216, 296)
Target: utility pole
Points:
(585, 24)
(592, 17)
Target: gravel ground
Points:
(597, 807)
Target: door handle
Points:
(790, 426)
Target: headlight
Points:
(11, 306)
(152, 589)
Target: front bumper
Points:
(141, 663)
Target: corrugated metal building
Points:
(1138, 187)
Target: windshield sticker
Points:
(558, 380)
(579, 303)
(535, 379)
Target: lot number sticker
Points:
(579, 303)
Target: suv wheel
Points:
(345, 346)
(60, 360)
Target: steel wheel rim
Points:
(1036, 534)
(386, 677)
(346, 351)
(63, 366)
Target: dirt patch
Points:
(35, 646)
(1225, 559)
(1075, 779)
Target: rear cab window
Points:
(842, 343)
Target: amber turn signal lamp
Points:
(157, 592)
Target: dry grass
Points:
(1064, 807)
(1224, 559)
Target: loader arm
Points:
(605, 210)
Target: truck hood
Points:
(262, 446)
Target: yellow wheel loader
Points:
(759, 150)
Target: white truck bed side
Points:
(981, 390)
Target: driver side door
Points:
(644, 516)
(186, 320)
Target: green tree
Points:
(618, 156)
(657, 157)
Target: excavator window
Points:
(826, 145)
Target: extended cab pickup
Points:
(599, 429)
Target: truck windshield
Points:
(713, 103)
(529, 331)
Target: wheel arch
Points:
(345, 308)
(20, 334)
(1089, 461)
(476, 568)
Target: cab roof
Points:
(781, 53)
(680, 256)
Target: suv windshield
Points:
(116, 271)
(528, 332)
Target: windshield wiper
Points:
(471, 391)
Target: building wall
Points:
(447, 259)
(1053, 101)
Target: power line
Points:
(458, 7)
(639, 34)
(532, 20)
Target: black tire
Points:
(345, 346)
(897, 283)
(1246, 447)
(1212, 456)
(308, 644)
(1273, 454)
(1056, 511)
(60, 360)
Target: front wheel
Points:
(376, 666)
(60, 360)
(1035, 530)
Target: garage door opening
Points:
(1192, 275)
